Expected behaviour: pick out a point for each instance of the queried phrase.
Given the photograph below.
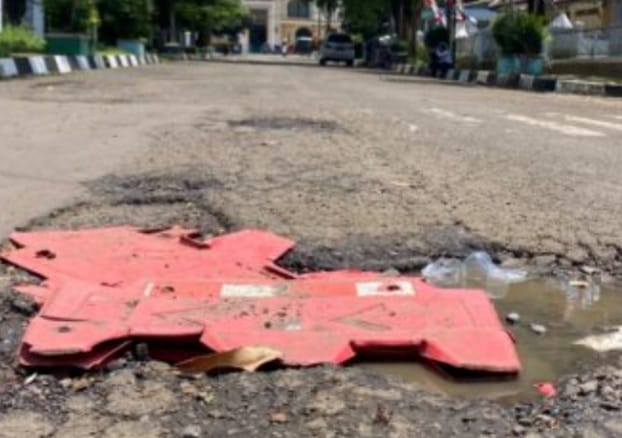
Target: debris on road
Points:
(603, 343)
(513, 318)
(538, 329)
(478, 266)
(547, 389)
(445, 272)
(109, 288)
(246, 359)
(583, 292)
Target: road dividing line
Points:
(599, 123)
(564, 129)
(453, 116)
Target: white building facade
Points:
(275, 22)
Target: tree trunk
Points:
(329, 19)
(415, 18)
(172, 23)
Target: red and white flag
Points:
(439, 16)
(461, 14)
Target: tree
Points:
(366, 18)
(69, 15)
(210, 16)
(130, 19)
(329, 7)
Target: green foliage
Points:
(435, 36)
(19, 39)
(519, 34)
(366, 17)
(210, 15)
(131, 19)
(71, 16)
(398, 46)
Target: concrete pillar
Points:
(244, 40)
(272, 26)
(35, 17)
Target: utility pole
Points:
(450, 12)
(1, 14)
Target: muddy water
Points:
(568, 318)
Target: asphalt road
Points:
(330, 156)
(362, 169)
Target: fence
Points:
(559, 44)
(575, 43)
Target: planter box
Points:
(68, 44)
(135, 47)
(513, 65)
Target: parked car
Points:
(304, 45)
(338, 47)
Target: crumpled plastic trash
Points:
(582, 293)
(444, 272)
(477, 267)
(480, 264)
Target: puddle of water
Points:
(568, 318)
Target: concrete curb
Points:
(43, 65)
(581, 87)
(522, 82)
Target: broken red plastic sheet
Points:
(232, 296)
(117, 256)
(309, 321)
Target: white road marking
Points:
(453, 116)
(564, 129)
(599, 123)
(413, 128)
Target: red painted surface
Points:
(108, 287)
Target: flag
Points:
(461, 14)
(439, 17)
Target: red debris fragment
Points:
(547, 389)
(107, 287)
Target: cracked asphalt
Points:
(363, 170)
(331, 156)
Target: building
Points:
(23, 12)
(274, 22)
(613, 13)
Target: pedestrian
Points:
(443, 59)
(284, 48)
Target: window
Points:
(339, 38)
(298, 9)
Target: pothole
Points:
(147, 201)
(151, 215)
(287, 123)
(155, 200)
(545, 357)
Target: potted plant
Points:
(129, 22)
(520, 38)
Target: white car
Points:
(338, 47)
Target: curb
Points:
(542, 84)
(44, 65)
